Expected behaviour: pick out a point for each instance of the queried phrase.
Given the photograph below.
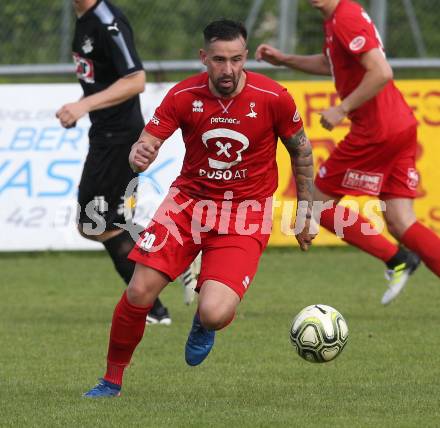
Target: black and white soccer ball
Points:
(319, 333)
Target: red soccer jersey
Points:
(349, 32)
(230, 143)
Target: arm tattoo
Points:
(300, 151)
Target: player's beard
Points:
(232, 81)
(316, 4)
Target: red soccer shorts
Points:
(170, 247)
(360, 167)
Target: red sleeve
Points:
(356, 32)
(287, 118)
(164, 121)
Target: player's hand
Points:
(332, 116)
(142, 154)
(307, 234)
(68, 114)
(269, 54)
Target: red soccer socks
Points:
(357, 231)
(128, 325)
(425, 243)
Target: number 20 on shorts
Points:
(147, 241)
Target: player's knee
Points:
(393, 228)
(215, 317)
(145, 285)
(397, 225)
(139, 293)
(102, 237)
(399, 215)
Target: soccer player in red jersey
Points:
(220, 204)
(377, 157)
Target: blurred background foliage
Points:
(40, 31)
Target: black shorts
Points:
(102, 189)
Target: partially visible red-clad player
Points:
(220, 204)
(377, 157)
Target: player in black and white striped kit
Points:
(112, 77)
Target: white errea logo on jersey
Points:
(252, 113)
(197, 106)
(357, 43)
(155, 120)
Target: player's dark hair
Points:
(224, 29)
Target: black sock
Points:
(157, 307)
(118, 248)
(400, 257)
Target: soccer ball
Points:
(319, 333)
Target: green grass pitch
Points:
(55, 312)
